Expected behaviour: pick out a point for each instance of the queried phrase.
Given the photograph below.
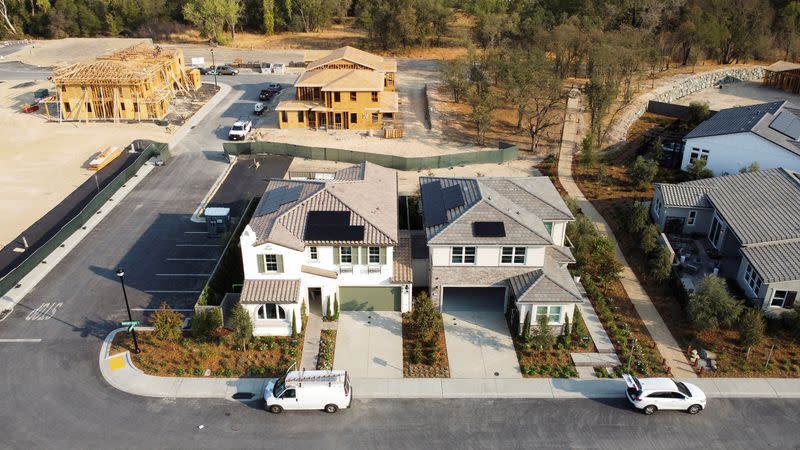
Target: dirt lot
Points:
(738, 94)
(43, 161)
(62, 52)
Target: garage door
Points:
(369, 298)
(474, 299)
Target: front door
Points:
(315, 301)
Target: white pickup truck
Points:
(239, 130)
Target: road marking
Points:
(20, 340)
(116, 362)
(172, 292)
(44, 312)
(196, 232)
(156, 309)
(191, 259)
(183, 274)
(196, 245)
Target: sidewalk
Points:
(120, 373)
(666, 343)
(311, 342)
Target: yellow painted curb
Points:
(116, 362)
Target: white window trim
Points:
(463, 255)
(278, 310)
(311, 256)
(549, 322)
(692, 218)
(783, 300)
(752, 279)
(267, 263)
(657, 207)
(377, 255)
(341, 256)
(514, 255)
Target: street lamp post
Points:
(214, 65)
(121, 275)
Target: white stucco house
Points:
(734, 138)
(313, 241)
(497, 245)
(750, 222)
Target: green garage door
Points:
(369, 298)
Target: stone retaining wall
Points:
(682, 86)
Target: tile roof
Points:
(357, 56)
(759, 207)
(522, 204)
(270, 291)
(369, 192)
(559, 254)
(683, 196)
(550, 284)
(775, 262)
(402, 272)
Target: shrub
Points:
(636, 218)
(167, 323)
(542, 337)
(698, 112)
(697, 170)
(206, 323)
(753, 167)
(425, 316)
(642, 172)
(335, 307)
(294, 325)
(751, 328)
(526, 327)
(329, 311)
(648, 241)
(588, 155)
(595, 255)
(578, 330)
(241, 325)
(711, 306)
(659, 265)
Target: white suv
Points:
(651, 394)
(239, 130)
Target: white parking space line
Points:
(45, 311)
(191, 259)
(156, 309)
(196, 245)
(183, 274)
(196, 232)
(19, 340)
(172, 292)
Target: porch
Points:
(695, 258)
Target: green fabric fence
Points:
(506, 152)
(36, 257)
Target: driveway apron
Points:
(369, 344)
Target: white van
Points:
(328, 390)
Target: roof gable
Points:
(350, 54)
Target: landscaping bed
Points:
(327, 348)
(555, 362)
(424, 358)
(265, 357)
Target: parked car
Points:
(206, 70)
(259, 108)
(651, 394)
(224, 70)
(239, 130)
(265, 95)
(326, 390)
(274, 87)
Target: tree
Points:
(402, 23)
(167, 323)
(711, 306)
(596, 256)
(483, 105)
(424, 316)
(636, 218)
(335, 307)
(295, 332)
(10, 28)
(242, 326)
(526, 326)
(206, 322)
(696, 170)
(698, 112)
(588, 156)
(329, 312)
(578, 330)
(212, 16)
(600, 95)
(534, 89)
(648, 241)
(659, 264)
(269, 16)
(642, 172)
(455, 74)
(751, 329)
(752, 167)
(543, 338)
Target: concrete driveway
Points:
(479, 345)
(370, 344)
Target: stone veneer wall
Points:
(682, 86)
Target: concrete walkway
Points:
(120, 373)
(574, 129)
(311, 342)
(479, 345)
(595, 327)
(370, 344)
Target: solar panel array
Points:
(281, 196)
(437, 200)
(787, 123)
(488, 229)
(332, 226)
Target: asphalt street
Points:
(53, 396)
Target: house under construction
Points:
(136, 83)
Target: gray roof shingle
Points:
(775, 262)
(550, 284)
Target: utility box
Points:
(217, 220)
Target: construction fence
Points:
(91, 207)
(505, 152)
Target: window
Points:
(67, 107)
(657, 207)
(463, 255)
(783, 299)
(88, 107)
(375, 117)
(271, 263)
(122, 105)
(553, 314)
(698, 154)
(513, 255)
(312, 253)
(289, 393)
(353, 96)
(375, 97)
(284, 116)
(374, 255)
(337, 97)
(692, 216)
(753, 279)
(353, 118)
(270, 311)
(300, 117)
(63, 88)
(549, 227)
(136, 107)
(715, 235)
(346, 255)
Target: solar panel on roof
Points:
(332, 226)
(328, 218)
(488, 229)
(453, 197)
(787, 123)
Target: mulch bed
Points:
(424, 358)
(554, 363)
(327, 349)
(264, 357)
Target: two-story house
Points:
(347, 89)
(497, 244)
(751, 224)
(318, 241)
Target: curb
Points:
(200, 114)
(211, 192)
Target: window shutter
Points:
(383, 255)
(791, 296)
(260, 259)
(364, 255)
(279, 259)
(336, 255)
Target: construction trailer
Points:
(137, 83)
